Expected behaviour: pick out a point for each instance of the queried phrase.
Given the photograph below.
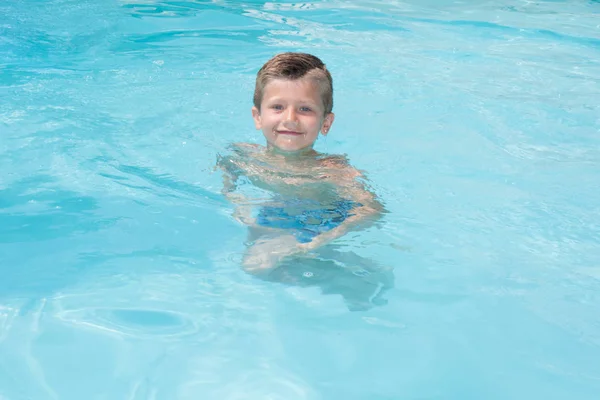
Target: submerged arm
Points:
(364, 215)
(243, 211)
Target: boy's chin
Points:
(290, 147)
(286, 150)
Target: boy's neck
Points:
(308, 151)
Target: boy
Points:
(311, 199)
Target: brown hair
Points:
(294, 66)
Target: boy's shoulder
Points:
(341, 165)
(240, 152)
(245, 148)
(236, 155)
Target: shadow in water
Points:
(360, 281)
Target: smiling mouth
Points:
(292, 133)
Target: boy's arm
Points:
(242, 212)
(364, 216)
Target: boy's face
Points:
(291, 114)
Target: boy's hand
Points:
(266, 254)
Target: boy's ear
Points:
(327, 123)
(256, 117)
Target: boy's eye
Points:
(305, 109)
(277, 107)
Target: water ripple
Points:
(139, 323)
(7, 314)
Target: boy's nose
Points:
(290, 115)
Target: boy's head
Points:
(294, 66)
(293, 100)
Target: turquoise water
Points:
(478, 124)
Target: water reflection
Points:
(360, 281)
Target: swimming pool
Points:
(478, 124)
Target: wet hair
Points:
(294, 66)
